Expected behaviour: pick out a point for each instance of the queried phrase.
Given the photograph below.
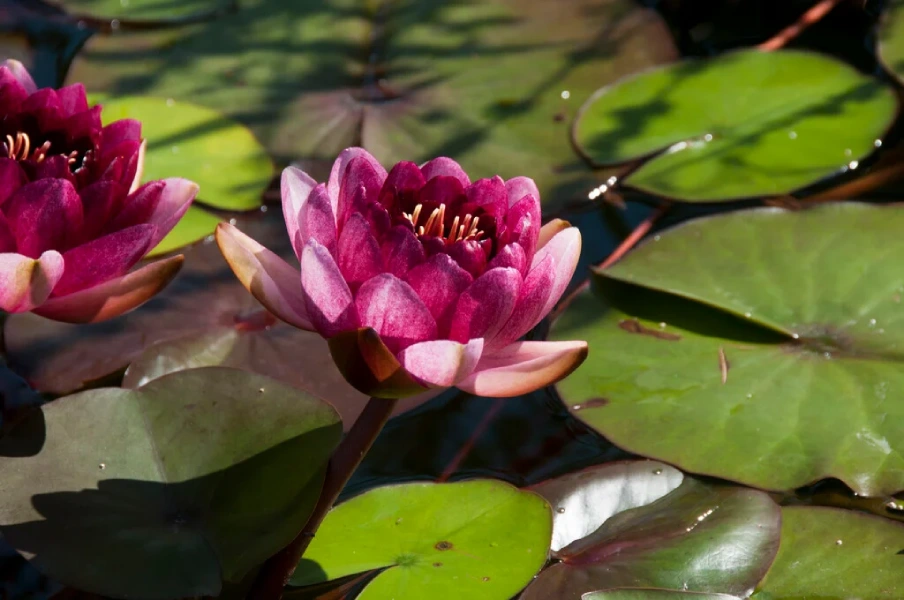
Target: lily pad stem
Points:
(276, 572)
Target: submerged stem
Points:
(276, 572)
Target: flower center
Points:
(19, 148)
(461, 228)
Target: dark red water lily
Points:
(73, 218)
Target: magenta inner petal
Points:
(486, 305)
(103, 259)
(44, 215)
(328, 298)
(439, 282)
(401, 251)
(393, 309)
(316, 221)
(359, 253)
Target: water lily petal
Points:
(100, 201)
(403, 181)
(486, 305)
(392, 308)
(42, 214)
(519, 187)
(124, 130)
(524, 367)
(469, 255)
(26, 282)
(532, 300)
(73, 99)
(295, 186)
(510, 255)
(175, 200)
(359, 257)
(7, 241)
(21, 74)
(315, 221)
(330, 304)
(439, 282)
(442, 189)
(523, 223)
(114, 297)
(565, 249)
(134, 170)
(104, 258)
(441, 363)
(137, 207)
(489, 194)
(401, 251)
(341, 166)
(369, 366)
(444, 166)
(12, 177)
(548, 231)
(269, 278)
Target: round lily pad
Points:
(648, 594)
(764, 333)
(144, 10)
(493, 84)
(584, 500)
(746, 123)
(891, 38)
(703, 538)
(164, 491)
(833, 553)
(482, 540)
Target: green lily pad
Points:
(164, 491)
(639, 594)
(144, 10)
(197, 143)
(479, 539)
(492, 84)
(836, 554)
(891, 38)
(762, 333)
(747, 123)
(584, 500)
(702, 538)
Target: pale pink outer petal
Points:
(524, 367)
(114, 297)
(26, 283)
(565, 248)
(441, 363)
(295, 186)
(139, 171)
(337, 175)
(175, 200)
(532, 300)
(316, 220)
(21, 73)
(445, 166)
(486, 305)
(269, 278)
(549, 231)
(331, 306)
(519, 187)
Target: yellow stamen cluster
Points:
(461, 229)
(20, 149)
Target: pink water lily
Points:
(73, 219)
(418, 278)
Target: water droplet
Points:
(848, 152)
(170, 102)
(872, 322)
(209, 239)
(114, 24)
(485, 579)
(747, 314)
(175, 149)
(565, 94)
(877, 143)
(827, 354)
(795, 336)
(656, 238)
(853, 164)
(611, 181)
(561, 510)
(792, 135)
(749, 396)
(838, 542)
(232, 221)
(657, 471)
(102, 466)
(662, 325)
(264, 209)
(708, 137)
(260, 390)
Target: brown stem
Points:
(278, 569)
(818, 11)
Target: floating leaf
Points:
(584, 500)
(162, 491)
(831, 553)
(144, 10)
(492, 84)
(746, 123)
(204, 318)
(891, 38)
(699, 538)
(763, 339)
(197, 143)
(195, 225)
(479, 540)
(648, 594)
